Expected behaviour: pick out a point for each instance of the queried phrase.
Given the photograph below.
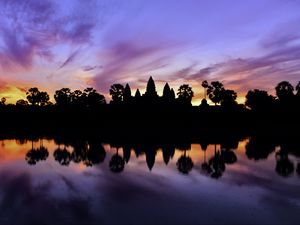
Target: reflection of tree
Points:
(95, 154)
(259, 148)
(229, 156)
(117, 163)
(185, 163)
(217, 164)
(79, 153)
(63, 156)
(205, 166)
(35, 155)
(284, 167)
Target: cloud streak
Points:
(280, 61)
(31, 28)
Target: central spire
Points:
(151, 89)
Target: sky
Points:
(95, 43)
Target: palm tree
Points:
(205, 86)
(116, 91)
(185, 94)
(284, 91)
(215, 91)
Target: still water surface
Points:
(44, 182)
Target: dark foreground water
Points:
(44, 182)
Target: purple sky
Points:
(53, 44)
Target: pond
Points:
(50, 181)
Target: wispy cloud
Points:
(280, 61)
(31, 29)
(70, 59)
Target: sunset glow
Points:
(75, 44)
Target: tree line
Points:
(286, 96)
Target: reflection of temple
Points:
(90, 152)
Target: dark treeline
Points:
(149, 112)
(90, 152)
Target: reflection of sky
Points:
(248, 192)
(65, 43)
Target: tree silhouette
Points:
(185, 94)
(63, 97)
(215, 91)
(127, 93)
(93, 98)
(78, 98)
(259, 100)
(228, 98)
(284, 91)
(116, 91)
(205, 86)
(36, 97)
(2, 101)
(21, 102)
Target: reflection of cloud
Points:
(271, 184)
(34, 205)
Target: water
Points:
(80, 183)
